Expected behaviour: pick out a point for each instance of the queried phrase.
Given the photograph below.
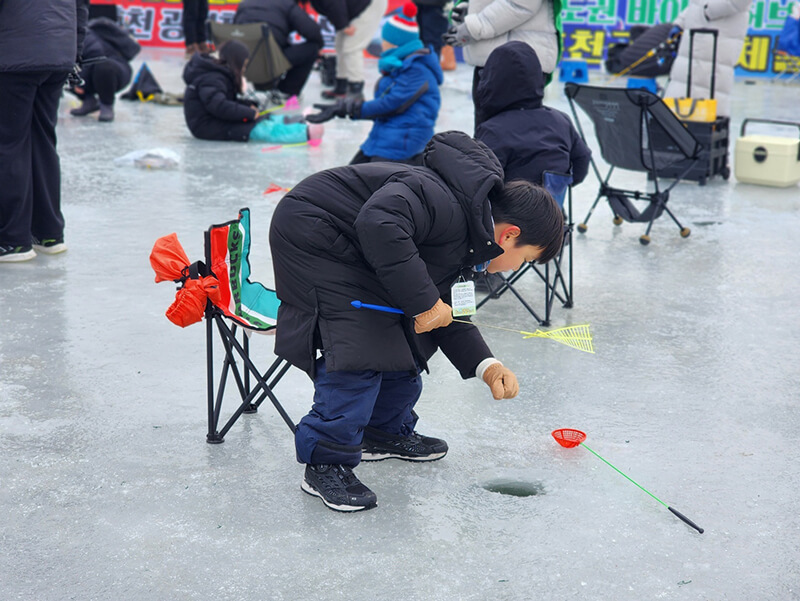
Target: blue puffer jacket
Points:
(405, 108)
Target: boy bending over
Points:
(399, 236)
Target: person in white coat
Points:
(730, 18)
(489, 24)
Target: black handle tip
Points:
(686, 520)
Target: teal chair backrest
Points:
(250, 304)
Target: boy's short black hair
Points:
(532, 209)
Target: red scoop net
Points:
(568, 438)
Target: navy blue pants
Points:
(347, 401)
(433, 25)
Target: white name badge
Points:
(462, 295)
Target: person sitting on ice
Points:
(407, 99)
(527, 137)
(214, 111)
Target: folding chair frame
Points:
(551, 291)
(265, 383)
(252, 395)
(659, 197)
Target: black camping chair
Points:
(638, 132)
(245, 308)
(267, 62)
(557, 278)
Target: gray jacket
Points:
(41, 35)
(730, 17)
(492, 23)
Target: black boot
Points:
(339, 91)
(89, 105)
(106, 112)
(355, 90)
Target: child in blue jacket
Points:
(407, 98)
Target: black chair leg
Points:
(582, 226)
(685, 231)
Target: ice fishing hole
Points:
(514, 487)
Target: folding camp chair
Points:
(638, 132)
(552, 273)
(221, 291)
(267, 62)
(249, 307)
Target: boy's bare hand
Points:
(501, 381)
(438, 316)
(349, 30)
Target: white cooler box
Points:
(767, 160)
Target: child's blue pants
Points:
(345, 402)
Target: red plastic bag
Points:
(190, 301)
(168, 258)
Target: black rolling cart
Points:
(713, 135)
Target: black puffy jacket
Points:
(283, 17)
(527, 137)
(210, 103)
(41, 35)
(340, 12)
(386, 234)
(104, 38)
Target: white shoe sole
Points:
(51, 250)
(18, 257)
(307, 488)
(382, 456)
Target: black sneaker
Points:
(50, 246)
(338, 487)
(377, 446)
(16, 254)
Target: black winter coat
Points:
(387, 234)
(101, 41)
(41, 35)
(210, 105)
(527, 137)
(340, 12)
(283, 17)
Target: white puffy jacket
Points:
(492, 23)
(730, 17)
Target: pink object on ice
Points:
(291, 103)
(315, 131)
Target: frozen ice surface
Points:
(109, 491)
